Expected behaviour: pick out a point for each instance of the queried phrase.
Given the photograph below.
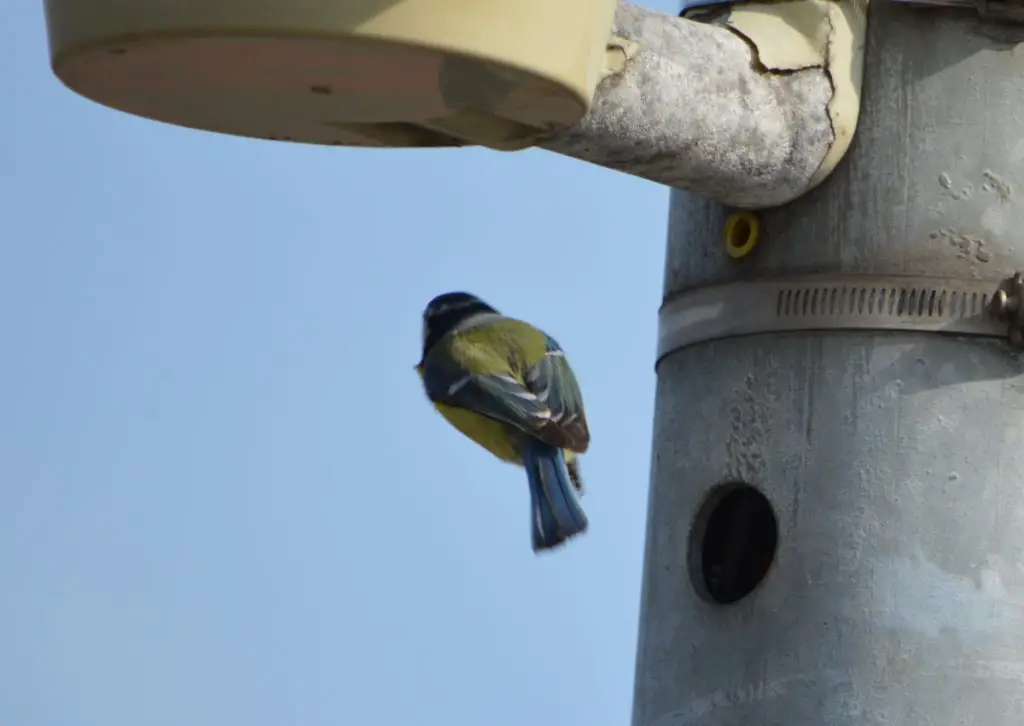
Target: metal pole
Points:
(846, 370)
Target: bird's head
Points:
(447, 311)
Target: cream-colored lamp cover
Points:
(498, 73)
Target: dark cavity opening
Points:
(732, 544)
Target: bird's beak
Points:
(419, 368)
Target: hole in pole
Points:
(732, 543)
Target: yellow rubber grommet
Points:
(741, 232)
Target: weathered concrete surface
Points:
(894, 462)
(694, 111)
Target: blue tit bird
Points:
(508, 386)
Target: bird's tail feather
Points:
(557, 514)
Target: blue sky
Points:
(224, 498)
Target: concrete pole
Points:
(891, 455)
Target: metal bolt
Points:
(1000, 303)
(1006, 301)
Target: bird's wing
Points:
(552, 381)
(500, 397)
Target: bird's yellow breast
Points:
(499, 438)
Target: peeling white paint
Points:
(693, 110)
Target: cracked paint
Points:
(692, 109)
(823, 34)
